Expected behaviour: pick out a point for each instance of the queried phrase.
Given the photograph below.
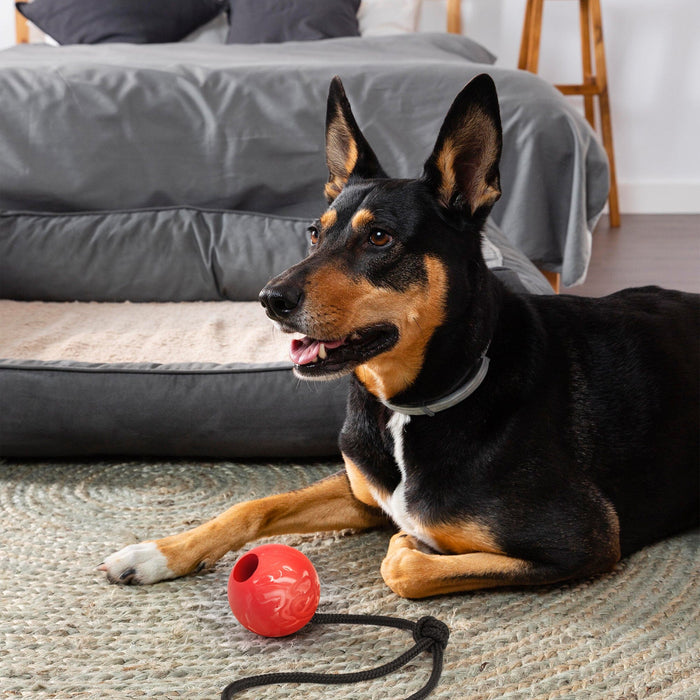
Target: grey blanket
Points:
(121, 127)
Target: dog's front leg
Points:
(326, 505)
(413, 573)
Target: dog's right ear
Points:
(463, 170)
(347, 150)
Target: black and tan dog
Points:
(513, 439)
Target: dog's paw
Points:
(137, 564)
(404, 567)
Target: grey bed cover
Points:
(189, 172)
(125, 128)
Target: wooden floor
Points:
(646, 249)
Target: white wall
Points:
(653, 60)
(7, 24)
(653, 57)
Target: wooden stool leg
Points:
(454, 16)
(591, 21)
(21, 28)
(605, 121)
(529, 60)
(525, 39)
(554, 278)
(530, 42)
(588, 77)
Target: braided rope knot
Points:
(429, 627)
(430, 636)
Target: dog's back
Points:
(628, 402)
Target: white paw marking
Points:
(137, 563)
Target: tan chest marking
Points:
(360, 487)
(447, 538)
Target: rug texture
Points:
(67, 633)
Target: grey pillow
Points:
(131, 21)
(274, 21)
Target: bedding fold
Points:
(121, 127)
(148, 193)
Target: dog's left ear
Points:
(347, 150)
(463, 167)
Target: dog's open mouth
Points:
(313, 357)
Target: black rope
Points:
(429, 634)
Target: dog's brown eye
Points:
(379, 238)
(313, 234)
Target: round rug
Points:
(67, 633)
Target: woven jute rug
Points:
(67, 633)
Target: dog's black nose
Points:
(279, 302)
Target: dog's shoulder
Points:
(631, 341)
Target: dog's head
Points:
(389, 256)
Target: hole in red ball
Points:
(245, 568)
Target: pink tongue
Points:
(305, 350)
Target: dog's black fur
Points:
(579, 446)
(582, 443)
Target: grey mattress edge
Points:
(61, 409)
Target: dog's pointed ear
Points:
(463, 167)
(347, 150)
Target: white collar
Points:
(430, 409)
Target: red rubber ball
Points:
(273, 590)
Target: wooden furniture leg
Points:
(595, 82)
(454, 16)
(604, 102)
(597, 85)
(588, 76)
(530, 42)
(554, 278)
(21, 28)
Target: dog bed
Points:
(112, 345)
(155, 378)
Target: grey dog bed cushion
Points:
(138, 333)
(162, 378)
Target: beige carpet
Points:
(66, 633)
